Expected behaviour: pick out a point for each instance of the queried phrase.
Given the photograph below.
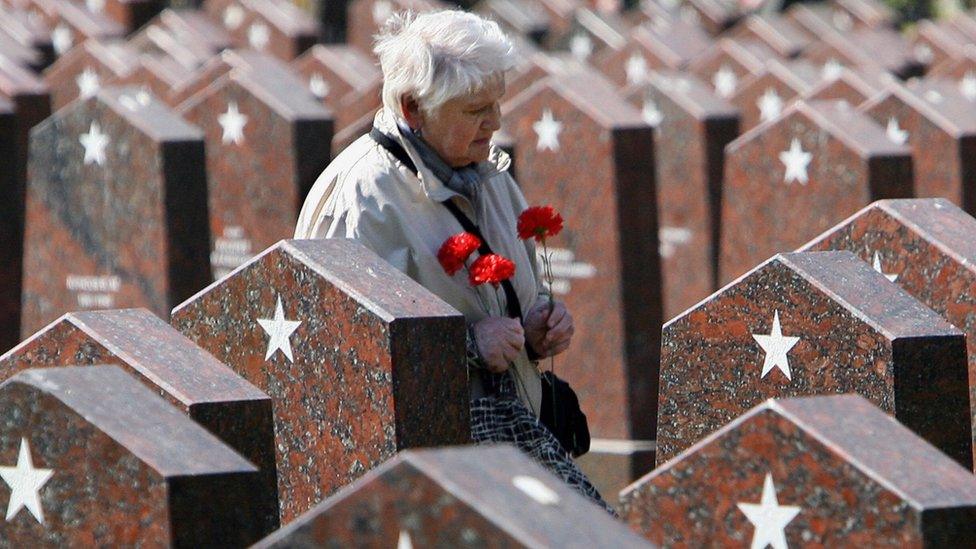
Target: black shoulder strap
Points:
(512, 302)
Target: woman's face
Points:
(460, 130)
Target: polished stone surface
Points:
(828, 471)
(91, 457)
(359, 360)
(807, 324)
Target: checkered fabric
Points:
(501, 417)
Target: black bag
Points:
(560, 411)
(562, 415)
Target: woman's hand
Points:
(499, 340)
(549, 333)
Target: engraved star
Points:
(651, 114)
(258, 36)
(581, 46)
(95, 6)
(877, 267)
(547, 128)
(769, 518)
(967, 85)
(94, 143)
(725, 81)
(895, 133)
(232, 122)
(832, 69)
(636, 68)
(933, 96)
(279, 331)
(233, 16)
(25, 482)
(770, 105)
(87, 83)
(382, 10)
(61, 39)
(796, 161)
(318, 86)
(404, 542)
(923, 53)
(669, 238)
(776, 346)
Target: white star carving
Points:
(769, 518)
(796, 161)
(776, 346)
(61, 39)
(547, 128)
(651, 114)
(669, 238)
(967, 85)
(770, 105)
(404, 541)
(923, 53)
(258, 36)
(94, 143)
(232, 122)
(95, 6)
(581, 46)
(279, 331)
(25, 482)
(877, 267)
(87, 83)
(382, 10)
(895, 133)
(318, 86)
(725, 81)
(832, 69)
(933, 96)
(233, 16)
(636, 68)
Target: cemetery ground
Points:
(769, 252)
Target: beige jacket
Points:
(367, 195)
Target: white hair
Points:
(435, 57)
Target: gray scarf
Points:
(464, 180)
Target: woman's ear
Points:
(411, 112)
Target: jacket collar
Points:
(498, 160)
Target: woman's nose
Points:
(494, 120)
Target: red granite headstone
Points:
(865, 13)
(30, 31)
(668, 45)
(176, 369)
(156, 73)
(518, 17)
(716, 16)
(882, 48)
(819, 19)
(842, 84)
(765, 96)
(130, 14)
(268, 139)
(359, 360)
(91, 457)
(934, 43)
(926, 247)
(693, 125)
(347, 81)
(806, 324)
(488, 496)
(827, 471)
(775, 31)
(793, 178)
(957, 67)
(93, 238)
(729, 62)
(25, 102)
(219, 65)
(933, 117)
(86, 68)
(584, 150)
(72, 23)
(276, 27)
(24, 55)
(593, 34)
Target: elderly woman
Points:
(425, 171)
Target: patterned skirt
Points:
(502, 417)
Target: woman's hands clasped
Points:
(549, 333)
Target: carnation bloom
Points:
(491, 268)
(539, 222)
(455, 251)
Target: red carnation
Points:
(491, 268)
(539, 222)
(455, 251)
